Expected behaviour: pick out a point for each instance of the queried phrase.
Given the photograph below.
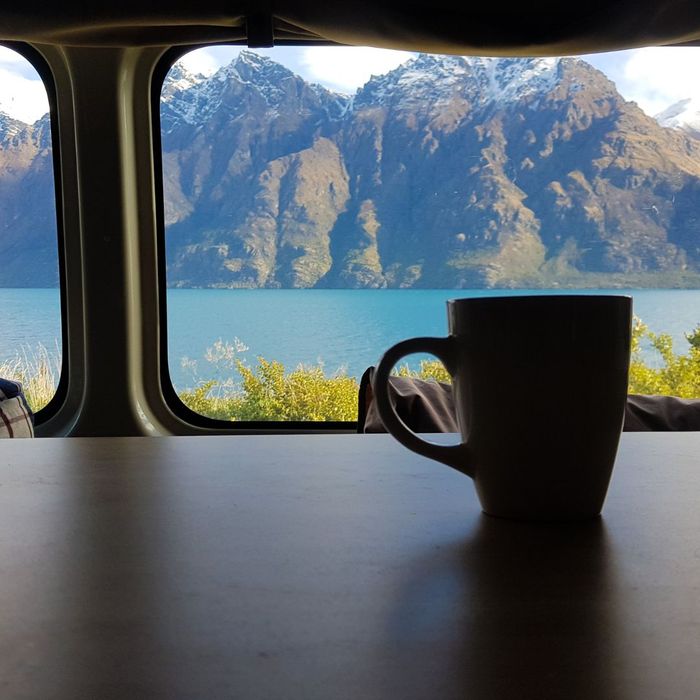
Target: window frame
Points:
(172, 400)
(43, 69)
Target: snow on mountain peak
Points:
(684, 115)
(512, 79)
(193, 98)
(425, 81)
(9, 126)
(179, 78)
(431, 78)
(436, 76)
(250, 67)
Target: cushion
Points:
(424, 406)
(427, 407)
(661, 413)
(16, 418)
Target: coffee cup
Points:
(539, 386)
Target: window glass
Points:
(30, 307)
(321, 203)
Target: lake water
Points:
(345, 329)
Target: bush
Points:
(676, 375)
(200, 400)
(303, 394)
(429, 369)
(267, 392)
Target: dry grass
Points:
(38, 370)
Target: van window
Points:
(321, 203)
(30, 304)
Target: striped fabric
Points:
(16, 419)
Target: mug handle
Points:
(455, 456)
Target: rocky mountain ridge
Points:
(28, 250)
(445, 171)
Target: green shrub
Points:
(674, 375)
(267, 391)
(201, 401)
(305, 394)
(429, 369)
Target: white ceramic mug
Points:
(539, 384)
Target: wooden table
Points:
(336, 567)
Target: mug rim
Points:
(537, 297)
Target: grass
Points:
(38, 370)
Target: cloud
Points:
(22, 93)
(10, 56)
(200, 61)
(657, 77)
(653, 77)
(347, 68)
(335, 67)
(22, 98)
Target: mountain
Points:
(684, 115)
(253, 180)
(28, 249)
(445, 172)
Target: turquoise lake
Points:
(343, 329)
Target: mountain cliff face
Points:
(28, 251)
(253, 183)
(445, 172)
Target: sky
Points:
(654, 77)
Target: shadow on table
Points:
(519, 610)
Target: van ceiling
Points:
(534, 27)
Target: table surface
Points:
(339, 566)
